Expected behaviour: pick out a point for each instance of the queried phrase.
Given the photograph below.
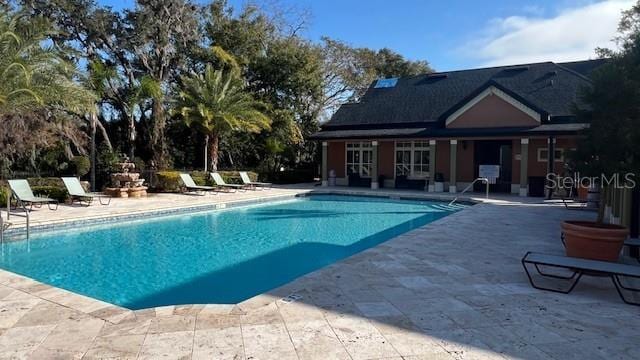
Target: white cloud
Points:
(572, 34)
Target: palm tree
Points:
(33, 74)
(216, 103)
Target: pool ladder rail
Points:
(5, 224)
(485, 180)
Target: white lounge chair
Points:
(77, 193)
(253, 184)
(191, 186)
(222, 184)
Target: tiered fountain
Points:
(126, 183)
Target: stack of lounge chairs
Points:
(190, 186)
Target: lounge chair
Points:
(77, 193)
(191, 186)
(221, 184)
(21, 191)
(576, 267)
(253, 184)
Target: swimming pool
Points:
(222, 256)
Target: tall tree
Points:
(349, 71)
(163, 32)
(610, 145)
(39, 90)
(216, 103)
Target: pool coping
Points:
(116, 314)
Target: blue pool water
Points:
(213, 257)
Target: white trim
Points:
(453, 142)
(492, 90)
(361, 148)
(324, 143)
(374, 143)
(524, 141)
(432, 142)
(452, 189)
(411, 150)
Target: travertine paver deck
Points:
(453, 289)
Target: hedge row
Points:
(169, 180)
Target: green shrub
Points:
(168, 181)
(46, 182)
(53, 192)
(201, 178)
(80, 165)
(4, 193)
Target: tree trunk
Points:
(94, 122)
(132, 137)
(160, 156)
(214, 140)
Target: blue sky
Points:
(458, 34)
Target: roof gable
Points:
(493, 108)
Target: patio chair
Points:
(253, 184)
(576, 267)
(21, 191)
(191, 186)
(77, 193)
(222, 184)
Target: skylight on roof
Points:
(386, 83)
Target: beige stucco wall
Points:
(492, 111)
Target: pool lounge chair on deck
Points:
(77, 193)
(576, 267)
(253, 184)
(21, 191)
(191, 186)
(222, 184)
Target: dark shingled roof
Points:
(424, 101)
(545, 129)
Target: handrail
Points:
(485, 180)
(2, 226)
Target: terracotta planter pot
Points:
(590, 240)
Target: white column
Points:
(432, 166)
(325, 178)
(524, 165)
(374, 165)
(453, 165)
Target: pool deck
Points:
(453, 289)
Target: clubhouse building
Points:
(440, 131)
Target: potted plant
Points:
(609, 147)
